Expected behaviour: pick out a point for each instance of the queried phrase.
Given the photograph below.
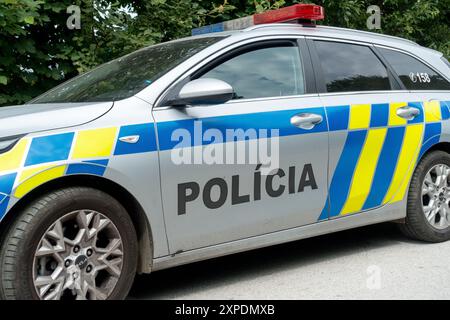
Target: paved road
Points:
(374, 262)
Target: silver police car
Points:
(219, 143)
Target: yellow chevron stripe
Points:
(404, 186)
(359, 116)
(39, 179)
(432, 110)
(405, 163)
(28, 173)
(12, 159)
(365, 171)
(394, 119)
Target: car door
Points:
(376, 128)
(215, 194)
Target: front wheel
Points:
(428, 212)
(74, 243)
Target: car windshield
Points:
(126, 76)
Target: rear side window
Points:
(414, 74)
(349, 67)
(273, 71)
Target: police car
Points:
(96, 182)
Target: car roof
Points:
(329, 33)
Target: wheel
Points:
(428, 212)
(74, 243)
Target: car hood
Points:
(23, 119)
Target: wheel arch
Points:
(130, 203)
(441, 146)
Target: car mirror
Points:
(203, 92)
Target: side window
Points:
(272, 71)
(414, 74)
(348, 67)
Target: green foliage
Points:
(38, 51)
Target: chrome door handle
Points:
(408, 113)
(306, 121)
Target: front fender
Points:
(36, 160)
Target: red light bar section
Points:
(295, 12)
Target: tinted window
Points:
(348, 67)
(126, 76)
(265, 72)
(414, 74)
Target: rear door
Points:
(428, 86)
(213, 197)
(376, 127)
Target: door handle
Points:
(408, 113)
(306, 121)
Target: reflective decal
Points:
(96, 143)
(38, 179)
(407, 159)
(275, 185)
(387, 162)
(432, 111)
(365, 170)
(379, 115)
(338, 117)
(146, 142)
(394, 119)
(86, 168)
(359, 116)
(342, 178)
(49, 149)
(431, 136)
(12, 159)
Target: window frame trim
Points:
(392, 74)
(320, 79)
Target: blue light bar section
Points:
(236, 24)
(218, 27)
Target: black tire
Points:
(416, 225)
(25, 232)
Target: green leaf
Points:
(3, 80)
(29, 19)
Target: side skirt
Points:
(387, 213)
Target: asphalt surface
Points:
(374, 262)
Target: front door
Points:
(252, 166)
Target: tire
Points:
(416, 224)
(19, 266)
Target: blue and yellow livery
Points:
(217, 144)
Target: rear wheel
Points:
(428, 215)
(74, 243)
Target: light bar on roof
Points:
(297, 12)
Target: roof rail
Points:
(371, 34)
(271, 25)
(295, 25)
